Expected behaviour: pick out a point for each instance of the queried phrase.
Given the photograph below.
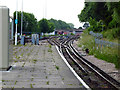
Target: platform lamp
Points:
(16, 22)
(22, 18)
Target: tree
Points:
(51, 27)
(29, 22)
(97, 13)
(45, 26)
(80, 28)
(71, 25)
(97, 10)
(59, 24)
(86, 25)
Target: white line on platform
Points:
(84, 84)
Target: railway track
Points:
(91, 74)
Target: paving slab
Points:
(39, 67)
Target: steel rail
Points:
(95, 69)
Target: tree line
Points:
(30, 24)
(101, 15)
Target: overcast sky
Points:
(66, 10)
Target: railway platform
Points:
(39, 66)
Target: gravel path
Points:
(109, 68)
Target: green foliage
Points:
(107, 12)
(29, 22)
(71, 25)
(97, 10)
(45, 26)
(59, 24)
(51, 27)
(111, 33)
(96, 26)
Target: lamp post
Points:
(22, 18)
(16, 22)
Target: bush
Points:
(111, 33)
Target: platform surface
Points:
(39, 67)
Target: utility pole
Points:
(16, 22)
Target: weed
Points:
(34, 61)
(31, 86)
(18, 75)
(57, 67)
(50, 46)
(27, 49)
(23, 64)
(46, 77)
(69, 84)
(32, 79)
(16, 82)
(72, 63)
(49, 50)
(3, 80)
(28, 54)
(47, 82)
(20, 49)
(17, 57)
(15, 61)
(22, 54)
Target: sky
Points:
(66, 10)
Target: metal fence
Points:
(102, 43)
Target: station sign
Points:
(16, 21)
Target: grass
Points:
(109, 54)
